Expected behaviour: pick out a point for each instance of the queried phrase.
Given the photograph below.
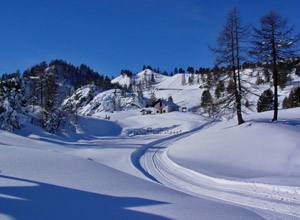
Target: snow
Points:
(49, 177)
(145, 74)
(122, 80)
(246, 152)
(93, 174)
(178, 165)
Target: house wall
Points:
(165, 109)
(162, 108)
(159, 108)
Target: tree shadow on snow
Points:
(291, 122)
(46, 201)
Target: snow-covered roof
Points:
(145, 110)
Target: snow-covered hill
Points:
(141, 77)
(185, 89)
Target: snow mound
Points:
(98, 127)
(257, 150)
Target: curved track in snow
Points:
(153, 161)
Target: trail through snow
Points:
(153, 161)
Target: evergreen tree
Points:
(175, 71)
(152, 78)
(190, 70)
(265, 101)
(152, 100)
(293, 100)
(219, 89)
(207, 103)
(170, 99)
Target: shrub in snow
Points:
(265, 101)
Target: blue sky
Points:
(110, 35)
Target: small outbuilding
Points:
(146, 112)
(163, 106)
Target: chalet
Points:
(163, 106)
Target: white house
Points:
(163, 106)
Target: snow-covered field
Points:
(170, 166)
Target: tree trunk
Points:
(275, 79)
(237, 99)
(239, 86)
(236, 83)
(275, 76)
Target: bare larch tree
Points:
(229, 50)
(274, 42)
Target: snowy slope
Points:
(45, 177)
(255, 151)
(254, 165)
(111, 177)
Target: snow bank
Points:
(257, 150)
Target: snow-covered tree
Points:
(12, 104)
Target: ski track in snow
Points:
(153, 161)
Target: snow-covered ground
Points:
(170, 166)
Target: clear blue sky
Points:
(110, 35)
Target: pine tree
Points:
(274, 42)
(175, 71)
(152, 100)
(207, 103)
(170, 99)
(219, 89)
(265, 101)
(295, 97)
(293, 100)
(190, 70)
